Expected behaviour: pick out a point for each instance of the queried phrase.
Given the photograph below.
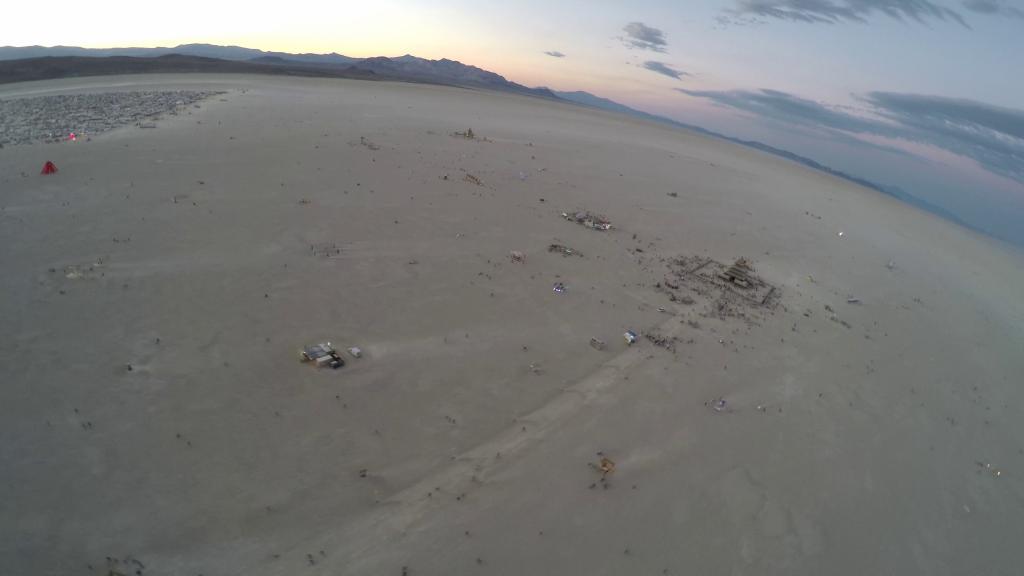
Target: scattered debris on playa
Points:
(740, 274)
(605, 466)
(839, 321)
(473, 179)
(720, 290)
(83, 272)
(325, 250)
(662, 341)
(588, 220)
(719, 405)
(468, 135)
(363, 140)
(321, 355)
(737, 279)
(987, 467)
(122, 567)
(55, 118)
(564, 250)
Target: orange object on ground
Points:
(49, 168)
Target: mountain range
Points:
(405, 67)
(21, 63)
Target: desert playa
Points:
(824, 380)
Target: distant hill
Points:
(588, 99)
(203, 50)
(406, 67)
(50, 67)
(447, 72)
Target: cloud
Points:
(993, 8)
(788, 109)
(664, 69)
(733, 18)
(554, 53)
(991, 135)
(639, 35)
(839, 11)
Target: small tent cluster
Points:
(49, 168)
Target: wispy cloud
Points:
(664, 69)
(643, 37)
(838, 11)
(994, 8)
(991, 135)
(554, 53)
(788, 109)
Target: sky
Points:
(925, 95)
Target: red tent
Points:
(49, 168)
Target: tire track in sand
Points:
(356, 545)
